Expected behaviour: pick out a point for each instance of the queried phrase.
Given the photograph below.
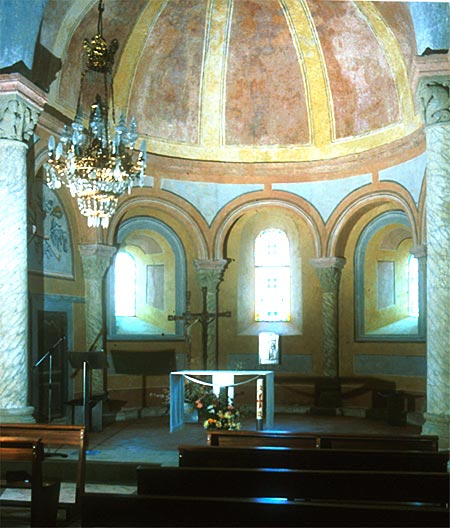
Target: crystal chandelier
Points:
(96, 163)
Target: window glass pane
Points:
(125, 285)
(272, 276)
(272, 248)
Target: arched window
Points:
(125, 285)
(147, 282)
(272, 276)
(387, 282)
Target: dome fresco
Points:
(257, 81)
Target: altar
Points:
(264, 391)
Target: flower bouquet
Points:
(222, 414)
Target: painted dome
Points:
(257, 80)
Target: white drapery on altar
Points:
(232, 378)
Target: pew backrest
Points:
(44, 494)
(295, 458)
(392, 486)
(101, 509)
(56, 437)
(322, 440)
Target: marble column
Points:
(329, 272)
(96, 260)
(434, 96)
(210, 274)
(420, 253)
(20, 106)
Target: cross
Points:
(190, 319)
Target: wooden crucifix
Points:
(190, 319)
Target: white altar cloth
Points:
(177, 391)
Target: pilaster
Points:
(20, 106)
(434, 98)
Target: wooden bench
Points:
(295, 458)
(319, 440)
(102, 509)
(55, 437)
(419, 487)
(44, 494)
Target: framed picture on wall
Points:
(268, 348)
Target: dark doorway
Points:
(50, 388)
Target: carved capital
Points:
(419, 251)
(21, 102)
(434, 98)
(329, 271)
(96, 259)
(17, 118)
(210, 272)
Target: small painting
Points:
(269, 348)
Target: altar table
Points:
(177, 390)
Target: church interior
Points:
(258, 189)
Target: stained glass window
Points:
(272, 276)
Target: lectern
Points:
(92, 406)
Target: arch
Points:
(223, 228)
(199, 240)
(355, 206)
(385, 301)
(152, 323)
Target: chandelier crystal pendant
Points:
(96, 163)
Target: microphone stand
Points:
(49, 355)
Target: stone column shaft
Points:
(329, 272)
(210, 274)
(96, 259)
(434, 95)
(20, 105)
(420, 253)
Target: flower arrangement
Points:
(199, 396)
(222, 414)
(216, 412)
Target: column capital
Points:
(210, 272)
(20, 106)
(419, 251)
(434, 98)
(96, 259)
(329, 271)
(328, 262)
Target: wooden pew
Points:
(44, 494)
(322, 440)
(402, 443)
(294, 458)
(408, 486)
(102, 509)
(55, 437)
(218, 437)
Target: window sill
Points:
(276, 327)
